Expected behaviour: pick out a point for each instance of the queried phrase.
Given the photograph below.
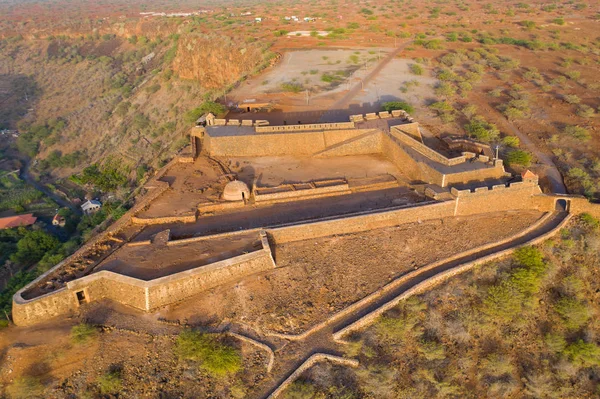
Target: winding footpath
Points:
(325, 341)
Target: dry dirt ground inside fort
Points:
(318, 277)
(273, 171)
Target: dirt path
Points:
(343, 102)
(321, 339)
(549, 167)
(25, 175)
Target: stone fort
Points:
(214, 214)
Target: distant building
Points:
(91, 206)
(258, 19)
(59, 220)
(17, 221)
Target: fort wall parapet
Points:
(140, 294)
(238, 122)
(307, 127)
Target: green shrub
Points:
(482, 130)
(574, 313)
(25, 388)
(502, 302)
(578, 132)
(215, 357)
(571, 98)
(3, 323)
(416, 69)
(397, 105)
(432, 350)
(511, 141)
(292, 87)
(300, 390)
(529, 25)
(559, 21)
(83, 333)
(519, 157)
(589, 220)
(451, 37)
(110, 382)
(583, 354)
(555, 342)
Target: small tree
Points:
(519, 157)
(397, 105)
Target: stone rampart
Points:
(406, 139)
(48, 305)
(515, 196)
(414, 165)
(140, 294)
(288, 143)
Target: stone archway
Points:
(562, 205)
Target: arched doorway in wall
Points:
(562, 205)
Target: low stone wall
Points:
(220, 206)
(311, 361)
(296, 191)
(164, 219)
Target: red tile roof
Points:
(529, 175)
(16, 221)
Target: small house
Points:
(59, 220)
(258, 19)
(91, 206)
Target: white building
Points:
(91, 206)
